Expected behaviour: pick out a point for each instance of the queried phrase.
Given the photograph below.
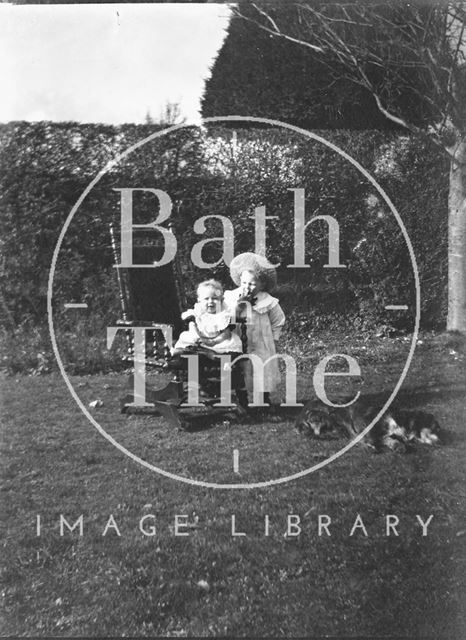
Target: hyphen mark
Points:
(236, 460)
(396, 307)
(76, 305)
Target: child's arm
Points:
(189, 313)
(277, 320)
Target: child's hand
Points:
(187, 314)
(191, 348)
(247, 297)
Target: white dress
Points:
(209, 330)
(263, 327)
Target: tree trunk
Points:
(456, 320)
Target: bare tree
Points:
(403, 54)
(148, 119)
(171, 114)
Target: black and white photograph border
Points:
(287, 178)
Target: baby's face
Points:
(249, 284)
(210, 299)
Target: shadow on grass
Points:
(422, 394)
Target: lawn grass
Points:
(210, 583)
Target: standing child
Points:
(256, 277)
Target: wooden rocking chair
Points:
(154, 297)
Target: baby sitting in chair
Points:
(210, 327)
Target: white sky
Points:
(106, 63)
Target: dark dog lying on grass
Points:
(397, 428)
(419, 426)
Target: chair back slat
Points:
(149, 294)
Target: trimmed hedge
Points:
(44, 167)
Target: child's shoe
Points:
(273, 414)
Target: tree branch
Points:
(278, 33)
(410, 47)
